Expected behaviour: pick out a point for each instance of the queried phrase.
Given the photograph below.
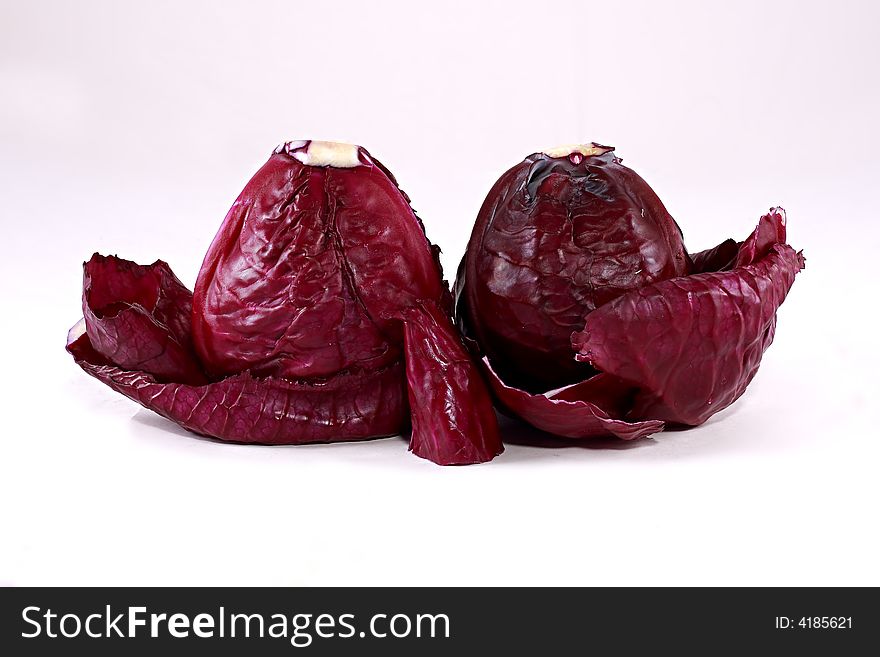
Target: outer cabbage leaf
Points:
(440, 373)
(692, 344)
(242, 408)
(569, 412)
(138, 317)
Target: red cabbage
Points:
(588, 314)
(319, 314)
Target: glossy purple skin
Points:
(555, 239)
(319, 311)
(670, 351)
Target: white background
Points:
(130, 128)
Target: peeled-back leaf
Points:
(439, 373)
(138, 317)
(273, 411)
(568, 412)
(691, 345)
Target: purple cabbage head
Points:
(589, 315)
(319, 314)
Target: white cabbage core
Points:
(586, 150)
(327, 154)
